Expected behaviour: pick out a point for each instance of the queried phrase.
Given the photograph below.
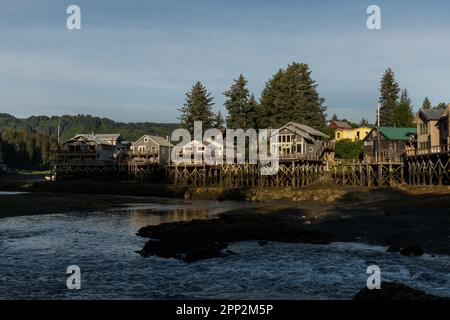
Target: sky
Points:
(134, 60)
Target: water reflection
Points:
(145, 217)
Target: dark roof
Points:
(342, 124)
(398, 133)
(432, 114)
(161, 141)
(305, 128)
(108, 136)
(89, 137)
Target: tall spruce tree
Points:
(197, 108)
(426, 105)
(237, 103)
(219, 122)
(389, 95)
(291, 95)
(251, 113)
(403, 115)
(268, 109)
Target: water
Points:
(12, 193)
(35, 252)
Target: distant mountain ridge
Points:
(73, 124)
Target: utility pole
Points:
(378, 153)
(59, 125)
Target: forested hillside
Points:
(71, 125)
(26, 143)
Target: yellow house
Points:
(353, 134)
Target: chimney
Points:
(168, 137)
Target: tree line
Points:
(289, 95)
(396, 109)
(27, 143)
(22, 149)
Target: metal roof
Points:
(342, 124)
(432, 114)
(393, 133)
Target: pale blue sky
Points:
(134, 60)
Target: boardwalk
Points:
(290, 174)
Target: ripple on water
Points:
(35, 252)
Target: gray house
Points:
(88, 149)
(151, 149)
(299, 141)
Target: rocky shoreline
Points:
(204, 239)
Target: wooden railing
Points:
(298, 156)
(138, 153)
(444, 148)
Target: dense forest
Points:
(27, 143)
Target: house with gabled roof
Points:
(299, 141)
(152, 149)
(339, 125)
(389, 144)
(88, 149)
(432, 129)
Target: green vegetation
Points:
(441, 105)
(348, 150)
(72, 125)
(22, 149)
(389, 96)
(426, 104)
(242, 108)
(291, 95)
(198, 107)
(395, 105)
(403, 115)
(27, 143)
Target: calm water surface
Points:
(35, 252)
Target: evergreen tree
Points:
(197, 108)
(364, 123)
(237, 103)
(441, 105)
(389, 95)
(268, 109)
(218, 121)
(426, 105)
(291, 95)
(403, 115)
(251, 113)
(334, 117)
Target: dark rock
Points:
(412, 251)
(185, 249)
(203, 239)
(393, 248)
(394, 291)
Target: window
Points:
(338, 135)
(153, 148)
(299, 148)
(310, 149)
(145, 139)
(288, 138)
